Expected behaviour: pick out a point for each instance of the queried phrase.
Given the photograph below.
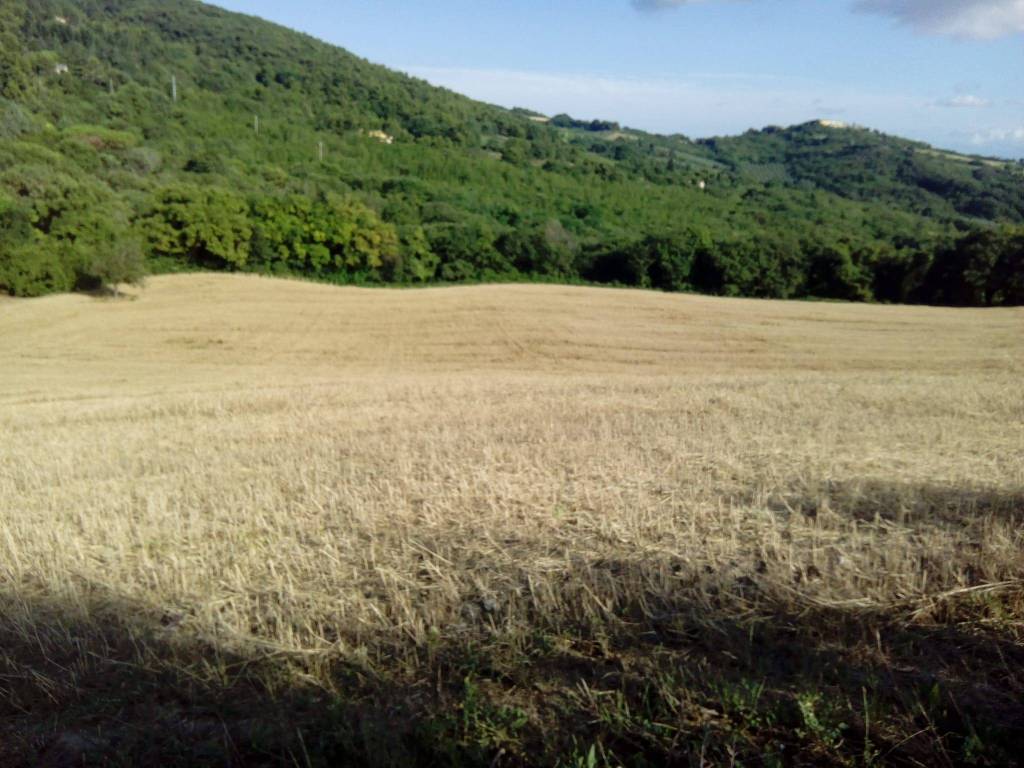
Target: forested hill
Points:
(866, 165)
(169, 134)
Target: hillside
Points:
(140, 135)
(264, 522)
(849, 161)
(861, 164)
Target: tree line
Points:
(59, 234)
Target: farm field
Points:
(248, 521)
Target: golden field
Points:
(539, 524)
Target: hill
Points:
(263, 522)
(168, 135)
(860, 164)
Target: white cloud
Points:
(998, 136)
(964, 101)
(974, 19)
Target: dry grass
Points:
(512, 523)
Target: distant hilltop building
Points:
(62, 20)
(702, 184)
(60, 69)
(833, 124)
(382, 137)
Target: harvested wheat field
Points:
(246, 521)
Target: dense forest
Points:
(146, 135)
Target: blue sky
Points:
(950, 72)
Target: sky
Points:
(949, 72)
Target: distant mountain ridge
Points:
(180, 135)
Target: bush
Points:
(204, 226)
(34, 269)
(14, 120)
(121, 262)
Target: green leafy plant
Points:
(820, 722)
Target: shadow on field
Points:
(902, 502)
(932, 693)
(702, 678)
(108, 692)
(694, 687)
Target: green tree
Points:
(206, 226)
(964, 274)
(121, 262)
(336, 236)
(1008, 273)
(833, 274)
(418, 262)
(14, 73)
